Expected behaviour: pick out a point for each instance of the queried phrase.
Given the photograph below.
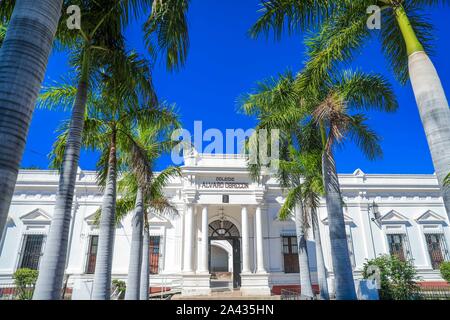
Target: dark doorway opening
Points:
(226, 230)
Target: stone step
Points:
(225, 297)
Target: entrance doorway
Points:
(220, 231)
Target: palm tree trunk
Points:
(23, 62)
(303, 259)
(342, 267)
(134, 269)
(103, 266)
(145, 270)
(321, 269)
(51, 270)
(431, 101)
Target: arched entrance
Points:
(224, 230)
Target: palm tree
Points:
(306, 166)
(334, 106)
(145, 190)
(93, 48)
(447, 180)
(119, 126)
(132, 73)
(106, 129)
(98, 45)
(155, 202)
(28, 42)
(405, 38)
(296, 172)
(295, 203)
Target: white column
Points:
(245, 241)
(188, 239)
(259, 242)
(204, 247)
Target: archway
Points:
(224, 230)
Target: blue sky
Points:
(224, 62)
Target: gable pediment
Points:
(37, 216)
(91, 219)
(394, 217)
(430, 217)
(157, 219)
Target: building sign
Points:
(224, 183)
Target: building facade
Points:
(227, 231)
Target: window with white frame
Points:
(399, 246)
(154, 254)
(437, 249)
(35, 229)
(31, 252)
(92, 254)
(432, 225)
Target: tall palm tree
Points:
(335, 106)
(134, 77)
(28, 42)
(141, 187)
(94, 46)
(312, 191)
(98, 45)
(154, 201)
(120, 130)
(296, 173)
(294, 203)
(113, 111)
(305, 166)
(405, 40)
(338, 113)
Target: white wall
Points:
(409, 195)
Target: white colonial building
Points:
(227, 231)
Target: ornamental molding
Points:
(37, 216)
(394, 217)
(430, 217)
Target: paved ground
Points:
(225, 295)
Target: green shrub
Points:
(25, 280)
(120, 286)
(445, 270)
(398, 278)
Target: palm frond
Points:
(365, 138)
(162, 206)
(58, 97)
(56, 156)
(334, 44)
(289, 16)
(293, 197)
(365, 91)
(162, 179)
(166, 31)
(124, 206)
(2, 32)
